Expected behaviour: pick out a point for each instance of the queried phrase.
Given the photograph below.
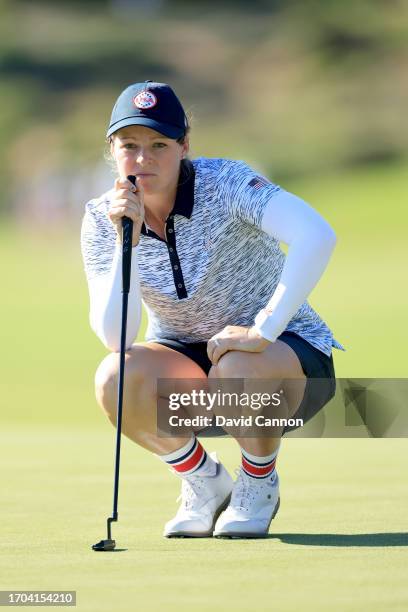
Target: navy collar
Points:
(184, 202)
(185, 191)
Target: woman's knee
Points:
(231, 365)
(107, 378)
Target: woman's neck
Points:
(158, 206)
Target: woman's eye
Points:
(132, 145)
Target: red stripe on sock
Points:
(255, 470)
(192, 461)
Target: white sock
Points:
(190, 460)
(258, 467)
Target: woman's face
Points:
(152, 157)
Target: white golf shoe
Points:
(254, 503)
(203, 498)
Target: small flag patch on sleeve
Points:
(258, 182)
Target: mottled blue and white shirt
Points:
(221, 263)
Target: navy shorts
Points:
(315, 364)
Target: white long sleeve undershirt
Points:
(310, 241)
(105, 294)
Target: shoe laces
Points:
(246, 490)
(190, 491)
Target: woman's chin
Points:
(147, 182)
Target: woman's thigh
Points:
(145, 364)
(164, 362)
(149, 360)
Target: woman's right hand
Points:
(127, 201)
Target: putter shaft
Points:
(127, 225)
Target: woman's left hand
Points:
(235, 338)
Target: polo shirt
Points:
(218, 265)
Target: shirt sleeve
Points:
(102, 259)
(244, 192)
(310, 241)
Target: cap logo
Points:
(145, 99)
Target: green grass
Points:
(335, 542)
(338, 542)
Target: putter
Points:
(127, 232)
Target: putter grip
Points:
(127, 235)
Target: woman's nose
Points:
(142, 155)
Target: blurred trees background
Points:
(296, 87)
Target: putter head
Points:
(105, 545)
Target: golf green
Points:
(339, 540)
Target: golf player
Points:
(223, 302)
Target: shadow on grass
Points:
(342, 539)
(115, 550)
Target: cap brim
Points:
(170, 131)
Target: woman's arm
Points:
(102, 259)
(105, 295)
(311, 241)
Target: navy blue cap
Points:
(154, 105)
